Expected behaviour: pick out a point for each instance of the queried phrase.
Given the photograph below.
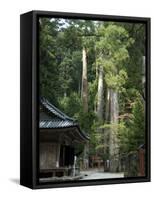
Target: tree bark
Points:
(100, 95)
(84, 91)
(107, 121)
(84, 96)
(107, 106)
(113, 142)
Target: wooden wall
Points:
(49, 155)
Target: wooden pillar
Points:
(58, 155)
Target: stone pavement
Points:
(92, 174)
(96, 174)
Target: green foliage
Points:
(71, 105)
(131, 133)
(117, 48)
(112, 48)
(48, 61)
(116, 81)
(96, 139)
(92, 86)
(137, 123)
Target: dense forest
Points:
(94, 71)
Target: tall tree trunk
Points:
(84, 91)
(100, 102)
(107, 121)
(107, 106)
(113, 142)
(84, 96)
(100, 94)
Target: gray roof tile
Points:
(57, 119)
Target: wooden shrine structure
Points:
(59, 136)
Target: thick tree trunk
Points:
(100, 95)
(100, 101)
(107, 121)
(84, 91)
(84, 96)
(113, 142)
(107, 106)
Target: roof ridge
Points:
(57, 111)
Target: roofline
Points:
(64, 116)
(83, 135)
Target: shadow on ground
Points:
(15, 180)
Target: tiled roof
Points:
(55, 123)
(55, 118)
(51, 108)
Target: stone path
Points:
(84, 175)
(95, 174)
